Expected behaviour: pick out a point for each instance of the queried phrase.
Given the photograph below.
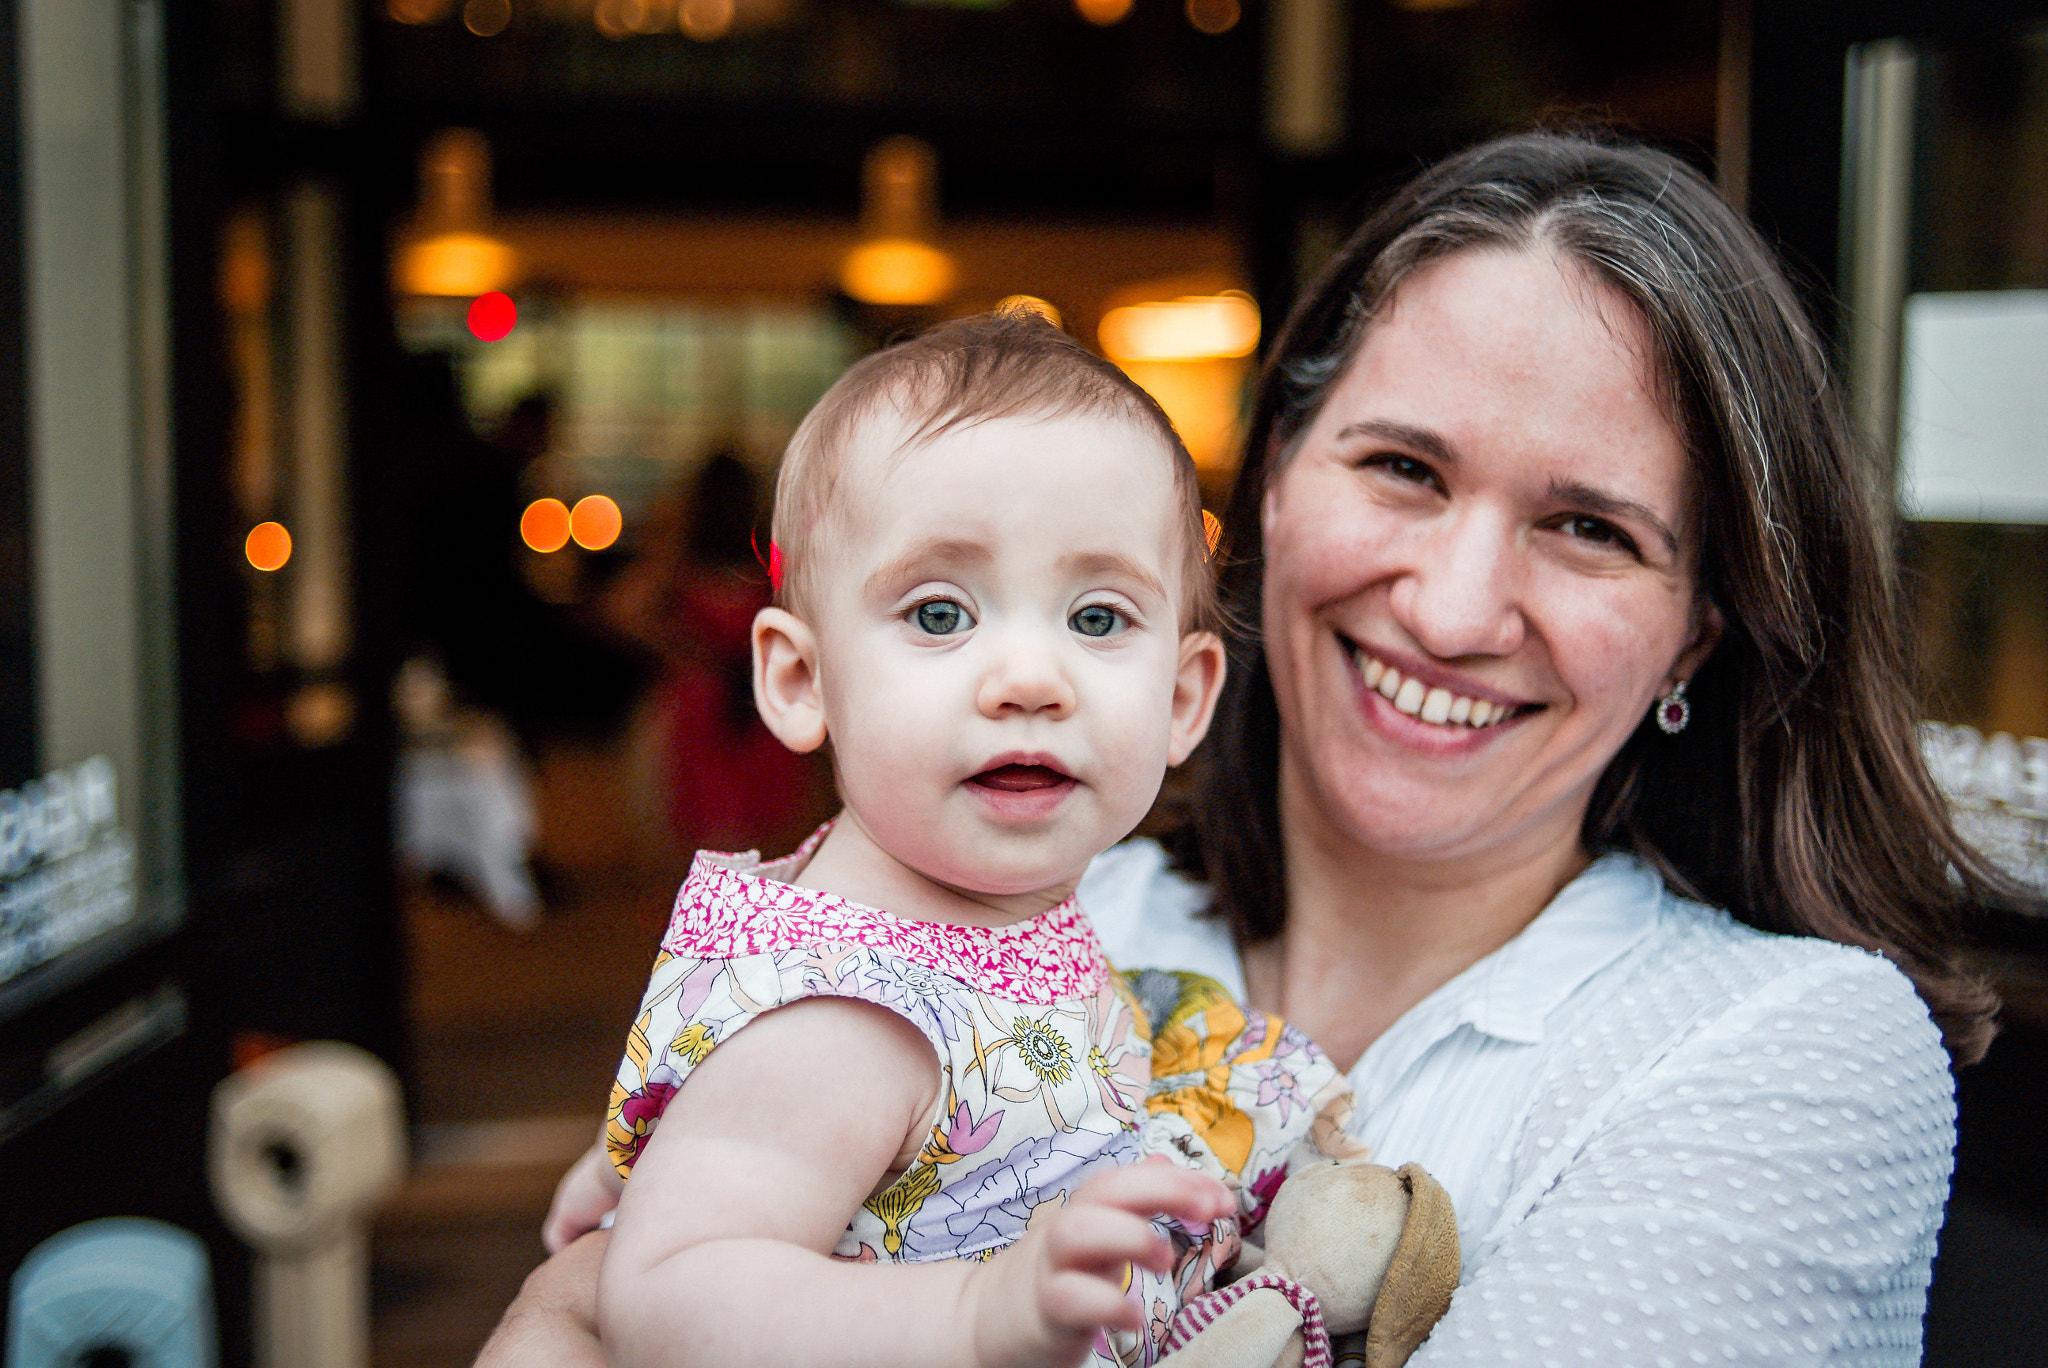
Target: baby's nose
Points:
(1025, 677)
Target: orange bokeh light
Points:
(1213, 16)
(544, 525)
(595, 522)
(1103, 12)
(268, 546)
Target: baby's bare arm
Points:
(720, 1251)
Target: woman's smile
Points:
(1416, 693)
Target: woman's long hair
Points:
(1797, 798)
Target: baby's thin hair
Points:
(1010, 363)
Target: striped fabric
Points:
(1208, 1308)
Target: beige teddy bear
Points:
(1349, 1247)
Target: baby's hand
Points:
(586, 1194)
(1040, 1303)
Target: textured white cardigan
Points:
(1671, 1139)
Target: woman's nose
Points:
(1024, 676)
(1462, 594)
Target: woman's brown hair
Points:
(1797, 798)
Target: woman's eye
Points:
(1598, 531)
(1096, 621)
(1403, 467)
(941, 617)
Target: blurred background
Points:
(390, 392)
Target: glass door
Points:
(1945, 266)
(88, 792)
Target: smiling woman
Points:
(1552, 433)
(1482, 513)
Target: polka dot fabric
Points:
(1765, 1187)
(1672, 1140)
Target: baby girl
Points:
(994, 603)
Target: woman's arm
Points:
(745, 1187)
(553, 1321)
(1768, 1193)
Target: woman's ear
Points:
(1705, 636)
(786, 687)
(1195, 689)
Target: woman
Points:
(1575, 621)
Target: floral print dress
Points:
(1044, 1055)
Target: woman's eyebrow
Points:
(932, 551)
(1595, 500)
(1421, 440)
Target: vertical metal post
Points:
(1308, 54)
(1877, 191)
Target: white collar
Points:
(1594, 920)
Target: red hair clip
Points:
(772, 562)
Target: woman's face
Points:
(1479, 567)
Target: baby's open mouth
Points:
(1020, 778)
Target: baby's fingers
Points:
(1100, 1240)
(1077, 1302)
(1158, 1187)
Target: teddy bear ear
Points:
(1421, 1276)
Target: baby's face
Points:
(999, 649)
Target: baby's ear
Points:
(786, 679)
(1195, 690)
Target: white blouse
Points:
(1671, 1139)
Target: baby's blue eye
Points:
(1096, 621)
(942, 617)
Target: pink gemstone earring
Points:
(1673, 712)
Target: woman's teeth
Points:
(1440, 705)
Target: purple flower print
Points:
(992, 1206)
(1279, 1089)
(1264, 1189)
(931, 998)
(965, 1137)
(695, 987)
(959, 1135)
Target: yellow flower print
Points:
(900, 1200)
(1048, 1058)
(1044, 1051)
(1197, 1043)
(694, 1042)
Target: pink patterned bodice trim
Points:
(732, 905)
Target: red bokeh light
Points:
(491, 316)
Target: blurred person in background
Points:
(720, 779)
(549, 669)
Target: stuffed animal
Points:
(1349, 1247)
